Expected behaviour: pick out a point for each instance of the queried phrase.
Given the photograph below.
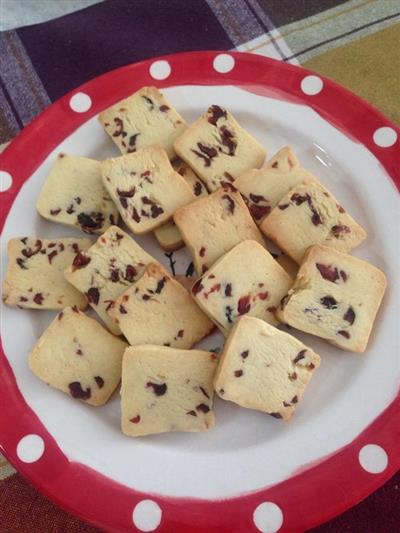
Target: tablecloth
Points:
(354, 42)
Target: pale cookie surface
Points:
(79, 357)
(145, 188)
(35, 274)
(143, 119)
(213, 225)
(309, 215)
(168, 235)
(218, 148)
(263, 188)
(166, 389)
(335, 296)
(246, 280)
(264, 368)
(107, 269)
(159, 310)
(74, 195)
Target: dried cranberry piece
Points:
(263, 295)
(256, 198)
(192, 413)
(164, 108)
(231, 203)
(293, 376)
(228, 289)
(124, 202)
(206, 153)
(114, 275)
(340, 208)
(122, 310)
(228, 185)
(282, 207)
(227, 140)
(127, 194)
(216, 112)
(301, 355)
(135, 215)
(80, 260)
(202, 251)
(135, 419)
(70, 209)
(119, 132)
(23, 299)
(202, 407)
(238, 373)
(52, 255)
(228, 314)
(130, 273)
(90, 222)
(244, 305)
(158, 389)
(76, 391)
(329, 302)
(294, 399)
(38, 298)
(316, 218)
(204, 392)
(93, 295)
(160, 285)
(344, 334)
(149, 101)
(337, 230)
(60, 315)
(275, 415)
(132, 143)
(349, 316)
(244, 354)
(28, 252)
(21, 263)
(299, 199)
(180, 333)
(156, 211)
(328, 272)
(78, 200)
(198, 188)
(259, 211)
(197, 287)
(100, 381)
(55, 212)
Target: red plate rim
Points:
(313, 495)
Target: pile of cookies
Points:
(202, 186)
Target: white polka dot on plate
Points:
(147, 515)
(311, 85)
(223, 63)
(268, 517)
(5, 180)
(385, 137)
(80, 102)
(373, 458)
(160, 70)
(30, 448)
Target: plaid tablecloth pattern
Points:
(354, 42)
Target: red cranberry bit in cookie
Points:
(135, 419)
(132, 143)
(203, 390)
(149, 101)
(29, 252)
(344, 334)
(119, 123)
(135, 215)
(256, 198)
(127, 194)
(231, 203)
(263, 295)
(197, 188)
(238, 373)
(122, 310)
(349, 316)
(76, 390)
(216, 112)
(275, 415)
(55, 212)
(228, 314)
(328, 272)
(206, 153)
(228, 289)
(21, 263)
(329, 302)
(292, 376)
(90, 222)
(160, 285)
(100, 381)
(114, 275)
(52, 255)
(244, 305)
(202, 251)
(282, 207)
(164, 108)
(192, 413)
(80, 261)
(259, 211)
(244, 354)
(338, 230)
(203, 408)
(159, 390)
(93, 295)
(227, 140)
(180, 333)
(38, 298)
(197, 287)
(301, 355)
(130, 273)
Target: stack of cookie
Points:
(201, 186)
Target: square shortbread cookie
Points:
(246, 280)
(263, 188)
(159, 310)
(309, 215)
(145, 188)
(35, 274)
(166, 389)
(107, 269)
(213, 225)
(264, 368)
(74, 195)
(141, 120)
(79, 357)
(218, 148)
(335, 296)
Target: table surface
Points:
(353, 42)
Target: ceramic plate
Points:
(251, 472)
